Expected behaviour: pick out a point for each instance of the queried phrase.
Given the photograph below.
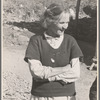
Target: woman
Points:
(53, 58)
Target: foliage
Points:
(30, 11)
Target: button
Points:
(52, 60)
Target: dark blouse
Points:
(39, 49)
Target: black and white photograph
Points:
(50, 49)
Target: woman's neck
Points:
(54, 33)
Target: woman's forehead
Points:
(64, 17)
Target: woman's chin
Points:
(60, 33)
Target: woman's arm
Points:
(72, 75)
(45, 72)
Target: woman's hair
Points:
(53, 14)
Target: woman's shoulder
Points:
(69, 37)
(36, 37)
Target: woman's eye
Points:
(61, 22)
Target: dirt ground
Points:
(17, 78)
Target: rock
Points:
(25, 29)
(22, 40)
(15, 28)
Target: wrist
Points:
(67, 67)
(51, 79)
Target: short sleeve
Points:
(32, 51)
(75, 50)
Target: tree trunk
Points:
(77, 13)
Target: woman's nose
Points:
(65, 26)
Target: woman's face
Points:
(62, 24)
(57, 29)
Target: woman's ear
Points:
(44, 24)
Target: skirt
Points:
(53, 98)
